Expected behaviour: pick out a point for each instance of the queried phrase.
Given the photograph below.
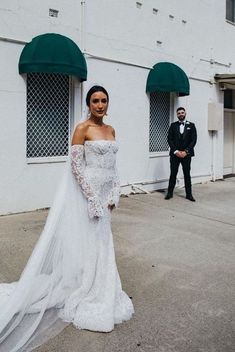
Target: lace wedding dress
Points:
(71, 276)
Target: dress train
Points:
(71, 275)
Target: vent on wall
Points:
(215, 116)
(53, 13)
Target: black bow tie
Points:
(181, 123)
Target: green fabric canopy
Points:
(53, 53)
(167, 77)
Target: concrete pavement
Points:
(176, 260)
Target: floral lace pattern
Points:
(95, 208)
(71, 275)
(98, 176)
(93, 166)
(114, 195)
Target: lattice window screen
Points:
(159, 121)
(47, 115)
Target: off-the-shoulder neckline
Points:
(100, 140)
(96, 140)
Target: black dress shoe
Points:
(169, 196)
(190, 197)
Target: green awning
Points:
(167, 77)
(53, 53)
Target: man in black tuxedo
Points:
(182, 137)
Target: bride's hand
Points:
(111, 207)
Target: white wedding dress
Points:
(71, 276)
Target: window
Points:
(160, 111)
(48, 122)
(229, 99)
(230, 10)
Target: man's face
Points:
(181, 115)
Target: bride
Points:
(71, 276)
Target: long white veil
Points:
(30, 309)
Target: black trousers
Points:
(186, 166)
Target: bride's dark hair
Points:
(93, 90)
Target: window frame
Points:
(171, 119)
(231, 21)
(53, 159)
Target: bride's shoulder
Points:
(80, 133)
(82, 128)
(109, 127)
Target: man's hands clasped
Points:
(181, 154)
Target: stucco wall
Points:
(130, 40)
(26, 186)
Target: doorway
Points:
(229, 142)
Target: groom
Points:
(182, 137)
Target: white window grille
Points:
(160, 109)
(48, 125)
(230, 10)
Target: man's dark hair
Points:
(93, 90)
(180, 108)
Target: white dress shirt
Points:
(182, 125)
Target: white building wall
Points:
(26, 19)
(26, 186)
(184, 35)
(121, 43)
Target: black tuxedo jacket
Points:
(189, 138)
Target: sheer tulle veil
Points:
(30, 309)
(71, 275)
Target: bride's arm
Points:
(95, 208)
(113, 198)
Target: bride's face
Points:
(98, 104)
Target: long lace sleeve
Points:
(114, 195)
(95, 208)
